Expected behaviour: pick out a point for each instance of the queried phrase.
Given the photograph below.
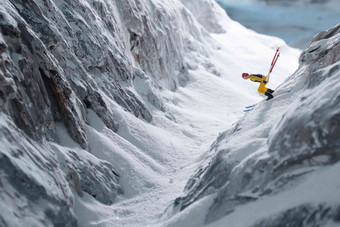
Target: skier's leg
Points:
(266, 91)
(270, 91)
(269, 95)
(262, 89)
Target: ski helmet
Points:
(245, 75)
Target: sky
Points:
(296, 23)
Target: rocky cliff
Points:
(82, 89)
(278, 165)
(60, 61)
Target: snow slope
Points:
(108, 106)
(202, 108)
(277, 165)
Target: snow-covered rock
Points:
(66, 61)
(38, 179)
(102, 101)
(207, 13)
(279, 163)
(59, 60)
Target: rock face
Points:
(57, 60)
(285, 148)
(207, 13)
(38, 180)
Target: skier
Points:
(262, 80)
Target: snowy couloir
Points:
(108, 107)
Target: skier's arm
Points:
(256, 77)
(267, 79)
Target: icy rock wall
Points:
(59, 56)
(38, 181)
(57, 60)
(207, 13)
(258, 159)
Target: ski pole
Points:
(276, 56)
(274, 63)
(278, 49)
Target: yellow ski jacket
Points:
(262, 80)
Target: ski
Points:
(251, 107)
(247, 107)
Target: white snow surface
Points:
(278, 164)
(156, 160)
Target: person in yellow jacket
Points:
(262, 80)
